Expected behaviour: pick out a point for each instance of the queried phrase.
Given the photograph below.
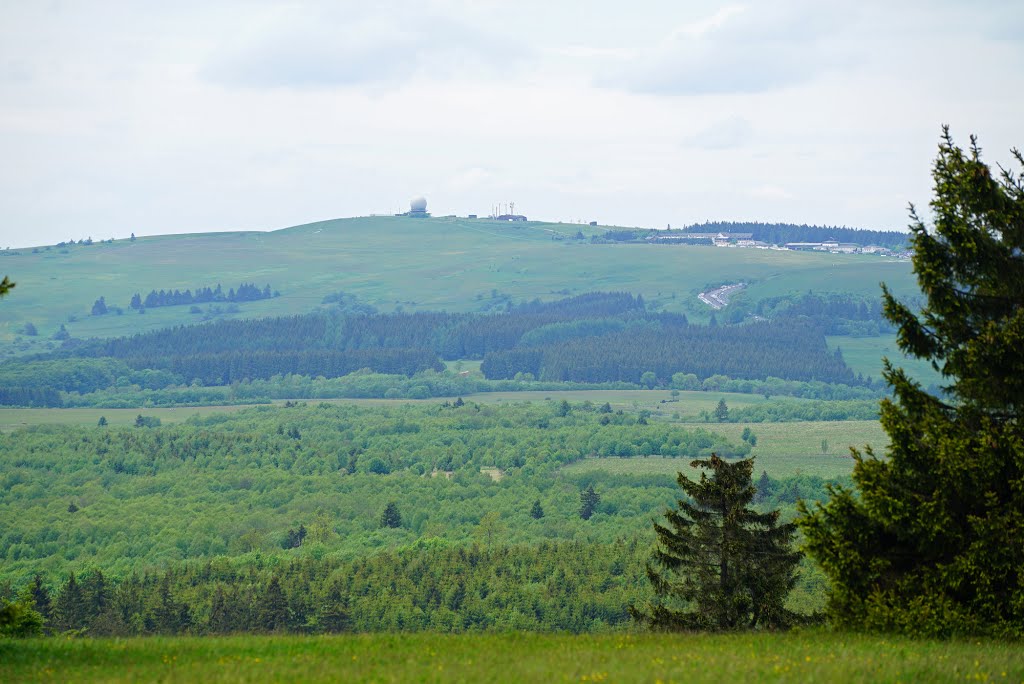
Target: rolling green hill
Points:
(390, 262)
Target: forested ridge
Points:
(597, 338)
(752, 351)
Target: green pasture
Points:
(442, 263)
(12, 418)
(816, 656)
(783, 449)
(688, 403)
(864, 355)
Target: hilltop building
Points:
(417, 208)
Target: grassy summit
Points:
(438, 263)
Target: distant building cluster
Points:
(418, 209)
(746, 240)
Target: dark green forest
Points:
(599, 339)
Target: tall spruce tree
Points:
(42, 603)
(391, 517)
(70, 610)
(589, 499)
(719, 565)
(929, 539)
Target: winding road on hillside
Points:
(719, 297)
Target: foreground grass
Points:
(806, 657)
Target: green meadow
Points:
(416, 264)
(426, 657)
(783, 449)
(864, 355)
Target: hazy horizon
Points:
(117, 118)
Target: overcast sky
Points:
(200, 116)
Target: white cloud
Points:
(736, 50)
(734, 131)
(327, 45)
(771, 192)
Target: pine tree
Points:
(70, 610)
(220, 620)
(719, 565)
(929, 539)
(41, 601)
(722, 411)
(96, 590)
(589, 499)
(536, 512)
(332, 614)
(274, 612)
(764, 486)
(391, 517)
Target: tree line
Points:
(246, 292)
(550, 586)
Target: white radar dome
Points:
(418, 204)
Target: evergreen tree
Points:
(536, 512)
(391, 517)
(719, 565)
(764, 486)
(722, 411)
(96, 591)
(220, 621)
(70, 610)
(929, 539)
(41, 601)
(274, 614)
(589, 499)
(332, 614)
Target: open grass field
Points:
(793, 657)
(864, 355)
(689, 404)
(783, 449)
(686, 404)
(441, 263)
(13, 418)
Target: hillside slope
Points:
(439, 263)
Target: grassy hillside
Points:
(454, 264)
(864, 355)
(795, 657)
